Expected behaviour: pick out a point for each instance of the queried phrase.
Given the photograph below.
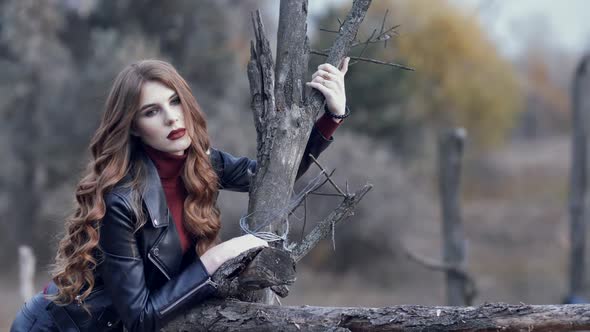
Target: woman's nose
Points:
(171, 117)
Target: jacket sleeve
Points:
(122, 270)
(235, 173)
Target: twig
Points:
(310, 191)
(432, 263)
(304, 218)
(328, 176)
(368, 60)
(322, 229)
(340, 47)
(326, 30)
(326, 194)
(383, 22)
(366, 44)
(383, 36)
(471, 288)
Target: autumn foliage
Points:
(460, 79)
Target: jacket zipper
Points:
(185, 296)
(156, 261)
(158, 265)
(94, 290)
(78, 297)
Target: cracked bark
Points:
(240, 316)
(284, 111)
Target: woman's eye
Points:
(175, 101)
(150, 113)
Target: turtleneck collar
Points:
(169, 165)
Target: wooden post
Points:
(578, 180)
(28, 193)
(449, 162)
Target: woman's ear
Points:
(133, 131)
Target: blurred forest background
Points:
(58, 59)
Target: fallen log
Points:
(231, 315)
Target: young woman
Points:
(143, 241)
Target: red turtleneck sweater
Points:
(170, 168)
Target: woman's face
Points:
(160, 120)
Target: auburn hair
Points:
(113, 155)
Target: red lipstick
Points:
(176, 134)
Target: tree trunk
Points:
(283, 114)
(282, 122)
(243, 316)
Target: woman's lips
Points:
(176, 134)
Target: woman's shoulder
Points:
(119, 211)
(119, 195)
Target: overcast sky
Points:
(564, 24)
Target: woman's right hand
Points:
(213, 258)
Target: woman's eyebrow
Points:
(174, 95)
(146, 106)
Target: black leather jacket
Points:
(143, 277)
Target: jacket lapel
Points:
(165, 250)
(153, 195)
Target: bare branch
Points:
(368, 60)
(326, 30)
(304, 218)
(310, 191)
(322, 230)
(325, 194)
(341, 46)
(432, 263)
(471, 286)
(327, 176)
(383, 36)
(383, 22)
(366, 44)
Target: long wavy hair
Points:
(113, 156)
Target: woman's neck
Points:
(169, 165)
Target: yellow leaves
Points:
(459, 73)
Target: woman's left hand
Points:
(329, 80)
